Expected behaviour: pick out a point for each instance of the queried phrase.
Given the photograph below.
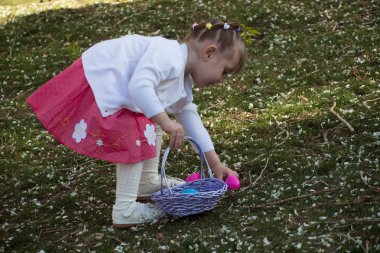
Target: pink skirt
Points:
(66, 107)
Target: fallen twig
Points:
(124, 19)
(325, 136)
(290, 93)
(62, 238)
(341, 118)
(331, 131)
(372, 100)
(309, 74)
(261, 173)
(274, 203)
(343, 203)
(375, 189)
(363, 220)
(355, 72)
(219, 102)
(286, 138)
(113, 237)
(52, 230)
(258, 178)
(355, 241)
(335, 25)
(22, 93)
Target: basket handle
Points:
(201, 156)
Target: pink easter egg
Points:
(194, 176)
(233, 182)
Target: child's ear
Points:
(209, 52)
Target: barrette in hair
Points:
(208, 26)
(226, 26)
(194, 25)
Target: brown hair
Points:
(227, 35)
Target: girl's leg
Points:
(150, 181)
(126, 211)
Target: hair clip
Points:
(238, 30)
(194, 25)
(226, 26)
(208, 26)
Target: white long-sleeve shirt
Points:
(145, 75)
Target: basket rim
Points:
(182, 196)
(173, 195)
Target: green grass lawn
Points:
(309, 183)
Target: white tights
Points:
(130, 176)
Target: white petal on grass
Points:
(266, 241)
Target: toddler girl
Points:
(112, 104)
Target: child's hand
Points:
(174, 129)
(221, 171)
(176, 132)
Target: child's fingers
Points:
(172, 141)
(219, 176)
(228, 172)
(176, 134)
(177, 139)
(234, 173)
(181, 138)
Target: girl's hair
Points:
(227, 35)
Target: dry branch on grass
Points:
(375, 189)
(371, 100)
(258, 178)
(280, 202)
(341, 118)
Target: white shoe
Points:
(134, 213)
(146, 189)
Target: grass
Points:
(273, 118)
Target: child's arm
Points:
(193, 125)
(174, 129)
(220, 170)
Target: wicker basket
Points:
(178, 203)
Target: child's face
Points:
(214, 66)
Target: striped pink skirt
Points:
(66, 107)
